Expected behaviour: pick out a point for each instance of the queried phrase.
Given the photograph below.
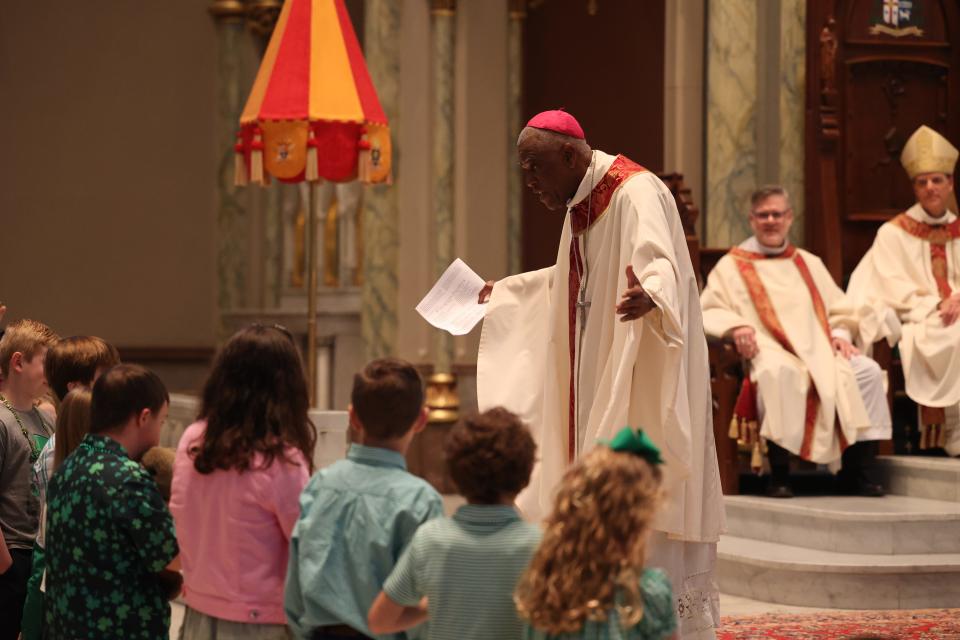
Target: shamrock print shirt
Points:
(108, 533)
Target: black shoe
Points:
(779, 491)
(870, 490)
(847, 486)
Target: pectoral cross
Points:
(583, 305)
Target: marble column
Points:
(793, 25)
(731, 118)
(262, 17)
(755, 110)
(443, 18)
(517, 13)
(380, 205)
(232, 215)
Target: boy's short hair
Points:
(490, 455)
(26, 337)
(122, 392)
(77, 359)
(387, 397)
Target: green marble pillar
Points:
(793, 51)
(517, 14)
(261, 19)
(755, 110)
(232, 216)
(443, 28)
(731, 119)
(380, 205)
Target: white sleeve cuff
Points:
(843, 333)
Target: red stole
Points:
(768, 316)
(581, 219)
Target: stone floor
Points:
(729, 606)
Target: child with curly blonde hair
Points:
(587, 579)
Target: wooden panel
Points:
(892, 98)
(917, 23)
(607, 70)
(871, 81)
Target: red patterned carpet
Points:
(923, 624)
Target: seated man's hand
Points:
(950, 309)
(485, 292)
(745, 340)
(844, 348)
(634, 303)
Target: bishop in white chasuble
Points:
(578, 358)
(913, 268)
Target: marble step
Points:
(787, 574)
(888, 525)
(922, 476)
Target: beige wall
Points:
(107, 187)
(107, 194)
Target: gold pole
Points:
(311, 246)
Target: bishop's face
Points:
(770, 220)
(932, 191)
(547, 171)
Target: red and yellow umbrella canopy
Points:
(313, 112)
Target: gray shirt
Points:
(19, 503)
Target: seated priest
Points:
(913, 268)
(807, 390)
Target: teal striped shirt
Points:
(468, 567)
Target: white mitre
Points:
(928, 152)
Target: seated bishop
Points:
(913, 269)
(807, 390)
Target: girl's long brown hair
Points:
(255, 401)
(592, 554)
(73, 422)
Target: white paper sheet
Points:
(452, 304)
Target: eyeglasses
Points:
(774, 215)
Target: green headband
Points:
(634, 441)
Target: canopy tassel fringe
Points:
(256, 158)
(312, 172)
(932, 433)
(744, 426)
(239, 163)
(365, 158)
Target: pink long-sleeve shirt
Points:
(234, 532)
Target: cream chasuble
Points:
(913, 264)
(651, 373)
(794, 305)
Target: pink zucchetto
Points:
(557, 121)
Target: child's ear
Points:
(421, 422)
(352, 419)
(144, 417)
(16, 361)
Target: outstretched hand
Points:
(634, 303)
(485, 292)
